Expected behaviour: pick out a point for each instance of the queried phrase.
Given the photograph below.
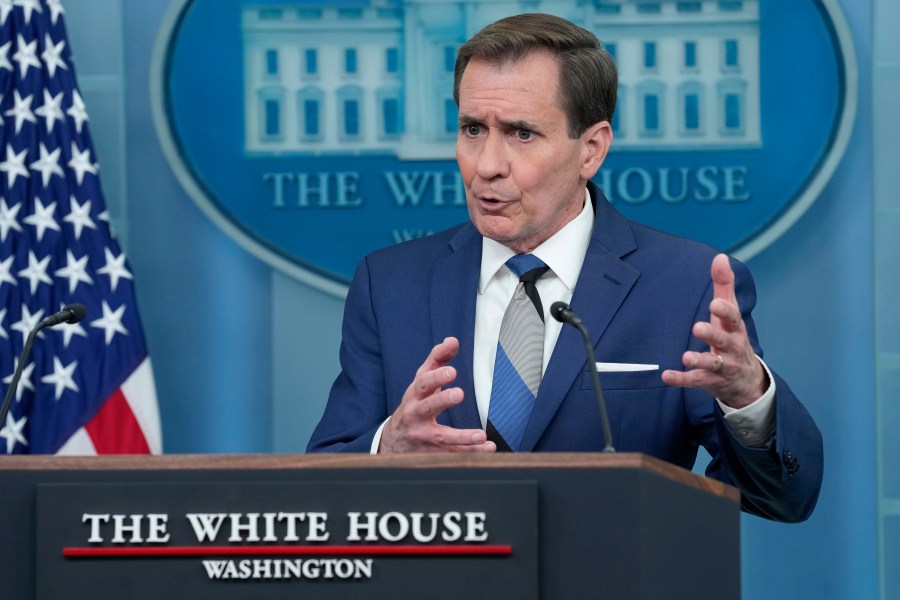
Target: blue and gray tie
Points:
(520, 357)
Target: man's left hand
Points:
(730, 371)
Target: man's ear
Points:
(596, 140)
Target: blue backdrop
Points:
(244, 356)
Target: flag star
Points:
(111, 322)
(77, 111)
(25, 55)
(3, 316)
(13, 432)
(48, 164)
(29, 321)
(21, 111)
(8, 219)
(36, 272)
(51, 110)
(104, 216)
(52, 55)
(61, 377)
(6, 7)
(115, 268)
(28, 6)
(75, 270)
(80, 216)
(4, 49)
(5, 266)
(24, 380)
(42, 218)
(68, 330)
(55, 10)
(14, 165)
(81, 162)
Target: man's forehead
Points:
(485, 79)
(513, 61)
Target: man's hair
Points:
(587, 73)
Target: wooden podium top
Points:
(554, 460)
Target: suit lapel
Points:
(454, 288)
(603, 284)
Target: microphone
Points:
(71, 313)
(563, 313)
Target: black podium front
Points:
(549, 526)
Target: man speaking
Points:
(448, 343)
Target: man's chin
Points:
(496, 228)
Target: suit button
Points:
(790, 462)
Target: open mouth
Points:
(491, 201)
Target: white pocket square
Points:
(604, 367)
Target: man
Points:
(432, 344)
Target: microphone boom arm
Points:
(564, 314)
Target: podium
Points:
(549, 526)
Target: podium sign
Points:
(325, 540)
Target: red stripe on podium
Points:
(449, 550)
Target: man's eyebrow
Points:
(520, 124)
(516, 124)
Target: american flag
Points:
(87, 388)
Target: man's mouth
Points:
(492, 201)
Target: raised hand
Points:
(730, 370)
(414, 428)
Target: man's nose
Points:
(493, 160)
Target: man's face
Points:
(524, 176)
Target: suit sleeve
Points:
(357, 405)
(780, 481)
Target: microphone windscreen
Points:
(557, 309)
(78, 312)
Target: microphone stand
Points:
(7, 401)
(71, 313)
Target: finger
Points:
(695, 378)
(723, 278)
(437, 403)
(727, 314)
(441, 354)
(427, 383)
(485, 447)
(681, 378)
(716, 337)
(449, 438)
(707, 361)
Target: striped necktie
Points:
(520, 357)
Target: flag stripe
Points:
(140, 392)
(79, 444)
(115, 430)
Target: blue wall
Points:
(244, 356)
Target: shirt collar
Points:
(563, 252)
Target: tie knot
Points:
(527, 267)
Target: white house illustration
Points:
(376, 77)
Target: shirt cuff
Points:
(376, 441)
(754, 424)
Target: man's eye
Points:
(524, 135)
(472, 130)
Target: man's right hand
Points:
(414, 428)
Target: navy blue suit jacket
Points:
(639, 293)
